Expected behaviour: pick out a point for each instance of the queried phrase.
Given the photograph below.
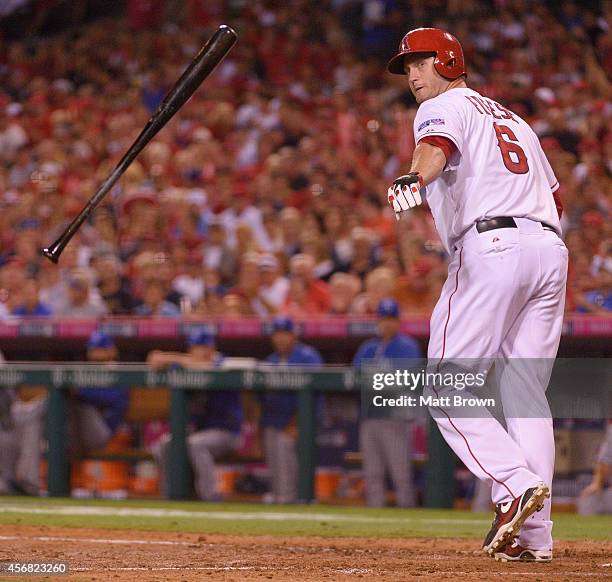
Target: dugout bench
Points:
(57, 379)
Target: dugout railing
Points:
(58, 379)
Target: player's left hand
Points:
(405, 193)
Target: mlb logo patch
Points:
(428, 122)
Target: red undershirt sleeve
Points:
(444, 143)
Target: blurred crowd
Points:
(266, 194)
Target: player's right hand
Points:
(405, 193)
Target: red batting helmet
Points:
(448, 52)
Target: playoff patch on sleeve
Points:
(428, 122)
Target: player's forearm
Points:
(428, 161)
(159, 358)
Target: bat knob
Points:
(51, 254)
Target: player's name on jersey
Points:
(455, 401)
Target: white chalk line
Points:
(192, 544)
(99, 541)
(328, 570)
(513, 573)
(215, 569)
(227, 515)
(174, 568)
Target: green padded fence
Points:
(306, 382)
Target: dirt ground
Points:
(96, 554)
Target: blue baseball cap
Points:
(388, 308)
(283, 324)
(201, 336)
(100, 339)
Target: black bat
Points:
(202, 65)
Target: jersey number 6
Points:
(517, 164)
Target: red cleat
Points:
(510, 516)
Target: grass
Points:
(257, 519)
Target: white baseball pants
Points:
(504, 298)
(386, 446)
(203, 448)
(282, 461)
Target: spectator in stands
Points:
(306, 288)
(114, 289)
(338, 238)
(216, 415)
(12, 133)
(416, 291)
(218, 255)
(379, 284)
(154, 303)
(190, 282)
(165, 272)
(245, 242)
(597, 496)
(386, 442)
(598, 300)
(30, 304)
(94, 415)
(592, 279)
(26, 248)
(298, 303)
(80, 300)
(378, 223)
(363, 256)
(343, 289)
(273, 230)
(105, 230)
(291, 227)
(279, 412)
(12, 280)
(234, 306)
(305, 132)
(273, 287)
(313, 244)
(141, 222)
(241, 211)
(248, 284)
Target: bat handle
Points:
(53, 252)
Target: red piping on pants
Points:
(438, 369)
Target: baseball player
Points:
(386, 442)
(94, 415)
(597, 496)
(279, 410)
(216, 416)
(9, 443)
(491, 192)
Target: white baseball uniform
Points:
(505, 292)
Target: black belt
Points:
(503, 222)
